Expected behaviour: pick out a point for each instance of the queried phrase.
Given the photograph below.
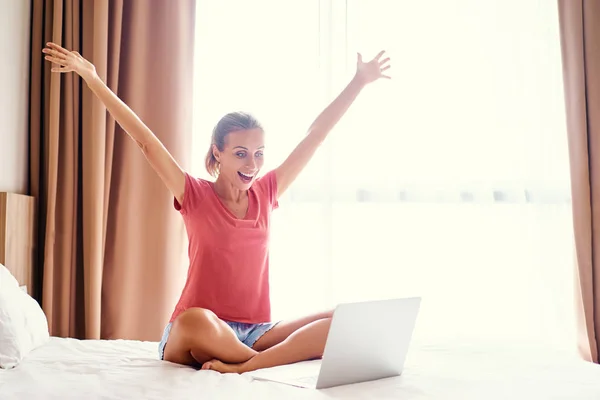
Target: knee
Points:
(195, 320)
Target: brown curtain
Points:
(580, 36)
(111, 246)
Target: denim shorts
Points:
(246, 333)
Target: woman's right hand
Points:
(69, 61)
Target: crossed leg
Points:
(286, 343)
(198, 335)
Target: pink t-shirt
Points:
(229, 257)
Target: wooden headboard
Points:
(17, 237)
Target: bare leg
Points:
(306, 343)
(198, 335)
(284, 329)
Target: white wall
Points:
(14, 94)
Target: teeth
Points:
(246, 175)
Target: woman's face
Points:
(242, 157)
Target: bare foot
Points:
(223, 368)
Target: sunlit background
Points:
(450, 181)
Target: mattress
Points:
(122, 369)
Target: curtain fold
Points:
(145, 263)
(110, 242)
(580, 35)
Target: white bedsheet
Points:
(72, 369)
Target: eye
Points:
(259, 154)
(241, 154)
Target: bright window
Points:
(451, 181)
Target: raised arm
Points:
(157, 155)
(366, 73)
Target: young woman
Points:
(223, 318)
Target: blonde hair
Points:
(231, 122)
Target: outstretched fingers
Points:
(61, 69)
(383, 66)
(56, 60)
(58, 48)
(58, 55)
(62, 62)
(378, 56)
(55, 53)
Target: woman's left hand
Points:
(367, 72)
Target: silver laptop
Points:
(366, 341)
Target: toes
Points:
(207, 365)
(219, 366)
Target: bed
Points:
(34, 365)
(121, 369)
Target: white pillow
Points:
(23, 324)
(7, 280)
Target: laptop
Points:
(367, 341)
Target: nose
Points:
(251, 163)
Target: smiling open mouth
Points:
(245, 177)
